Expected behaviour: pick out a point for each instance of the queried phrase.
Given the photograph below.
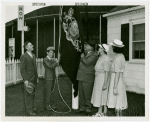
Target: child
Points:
(50, 64)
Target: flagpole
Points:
(59, 31)
(75, 100)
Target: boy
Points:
(49, 63)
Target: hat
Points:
(50, 48)
(104, 47)
(30, 88)
(117, 43)
(92, 43)
(26, 43)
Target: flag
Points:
(71, 43)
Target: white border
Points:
(2, 43)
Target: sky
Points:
(11, 8)
(12, 11)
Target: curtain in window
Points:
(139, 32)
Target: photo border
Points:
(74, 118)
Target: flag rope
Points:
(56, 80)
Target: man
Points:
(86, 76)
(50, 64)
(29, 74)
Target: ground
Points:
(15, 106)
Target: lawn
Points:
(14, 105)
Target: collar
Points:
(30, 54)
(89, 52)
(94, 53)
(49, 58)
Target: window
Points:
(137, 40)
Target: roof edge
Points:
(123, 11)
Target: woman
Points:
(117, 93)
(100, 90)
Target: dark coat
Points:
(86, 71)
(28, 68)
(49, 68)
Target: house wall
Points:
(135, 72)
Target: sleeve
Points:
(89, 60)
(106, 65)
(23, 67)
(117, 66)
(50, 66)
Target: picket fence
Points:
(13, 74)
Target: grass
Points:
(14, 101)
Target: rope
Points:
(56, 70)
(56, 81)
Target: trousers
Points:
(49, 97)
(28, 101)
(85, 93)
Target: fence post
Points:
(15, 72)
(43, 69)
(37, 67)
(9, 70)
(6, 70)
(12, 70)
(19, 73)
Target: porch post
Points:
(37, 38)
(12, 31)
(54, 36)
(22, 41)
(100, 29)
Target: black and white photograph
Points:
(84, 60)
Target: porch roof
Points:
(49, 11)
(122, 9)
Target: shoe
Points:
(80, 110)
(32, 114)
(88, 111)
(34, 109)
(97, 115)
(105, 114)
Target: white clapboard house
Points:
(127, 23)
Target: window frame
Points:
(131, 23)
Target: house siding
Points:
(135, 73)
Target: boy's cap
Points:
(50, 48)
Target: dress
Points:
(99, 96)
(117, 101)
